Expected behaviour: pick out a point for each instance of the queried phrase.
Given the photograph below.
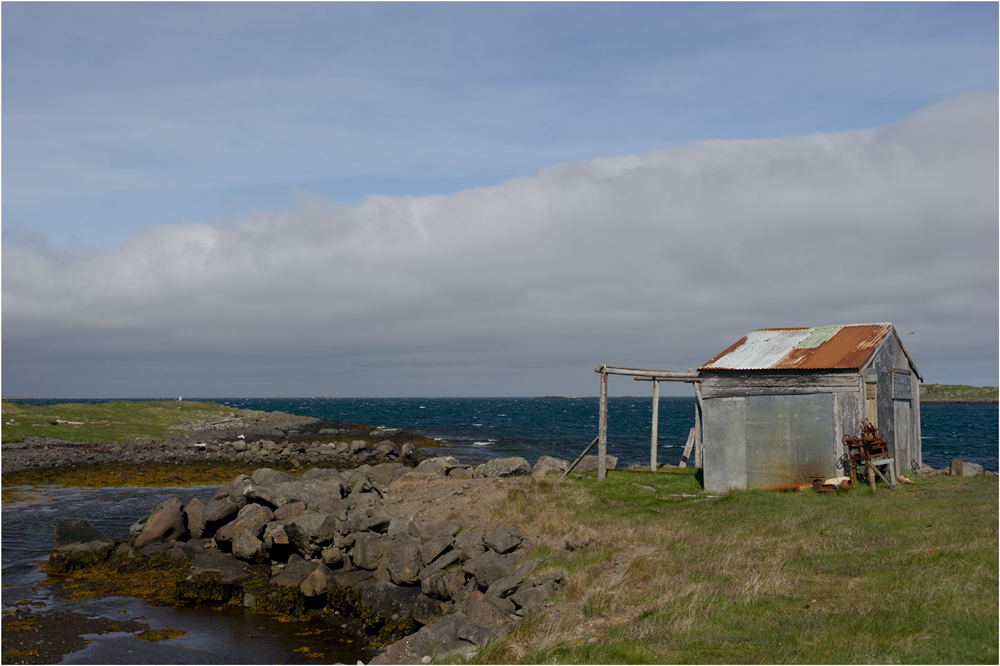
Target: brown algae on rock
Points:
(122, 475)
(160, 634)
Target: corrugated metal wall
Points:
(773, 440)
(788, 438)
(724, 459)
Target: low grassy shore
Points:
(201, 436)
(958, 394)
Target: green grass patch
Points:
(675, 575)
(958, 392)
(101, 423)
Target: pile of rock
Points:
(958, 467)
(40, 453)
(327, 540)
(338, 453)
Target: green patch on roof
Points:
(818, 337)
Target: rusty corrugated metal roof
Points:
(820, 348)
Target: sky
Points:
(485, 199)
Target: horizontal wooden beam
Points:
(649, 374)
(689, 380)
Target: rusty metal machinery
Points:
(869, 449)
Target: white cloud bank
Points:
(520, 289)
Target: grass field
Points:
(958, 392)
(105, 422)
(660, 572)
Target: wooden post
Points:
(687, 448)
(579, 458)
(697, 425)
(656, 424)
(602, 432)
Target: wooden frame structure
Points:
(655, 376)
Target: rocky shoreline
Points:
(414, 555)
(261, 438)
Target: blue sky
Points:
(117, 115)
(136, 136)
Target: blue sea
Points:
(478, 429)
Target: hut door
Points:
(871, 402)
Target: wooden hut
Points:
(776, 405)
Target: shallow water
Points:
(226, 637)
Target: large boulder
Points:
(383, 475)
(318, 582)
(275, 538)
(311, 531)
(504, 586)
(167, 524)
(503, 539)
(547, 465)
(439, 465)
(426, 643)
(219, 512)
(505, 467)
(489, 611)
(322, 474)
(248, 547)
(77, 543)
(355, 581)
(229, 569)
(470, 543)
(403, 560)
(376, 520)
(961, 467)
(195, 517)
(310, 491)
(234, 491)
(428, 609)
(430, 531)
(589, 463)
(388, 600)
(490, 567)
(387, 448)
(430, 550)
(294, 573)
(266, 476)
(445, 585)
(290, 511)
(399, 525)
(535, 590)
(440, 564)
(478, 634)
(332, 556)
(369, 549)
(354, 477)
(251, 521)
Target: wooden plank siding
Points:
(717, 384)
